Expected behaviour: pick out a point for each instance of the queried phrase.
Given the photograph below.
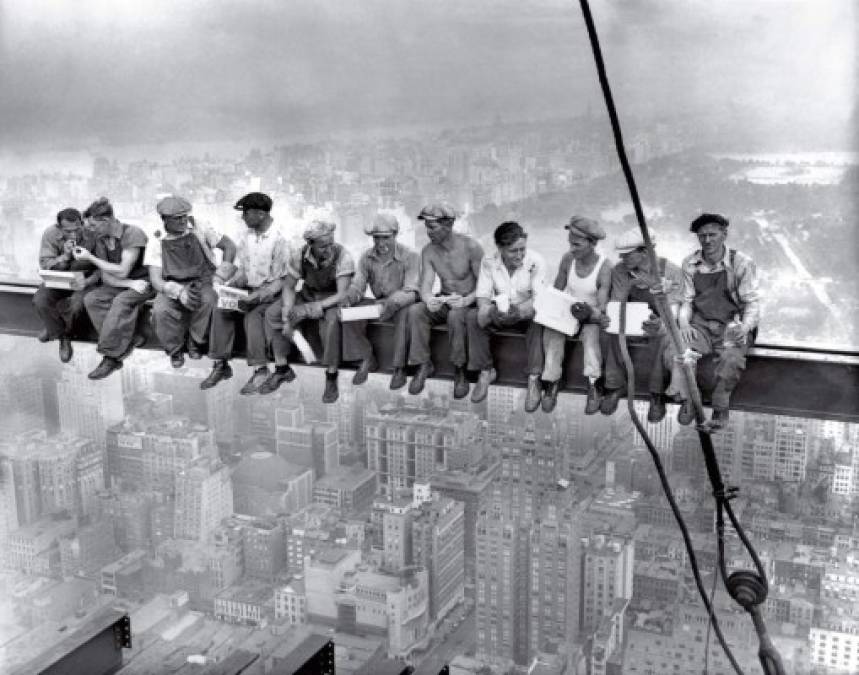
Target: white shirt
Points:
(584, 290)
(522, 285)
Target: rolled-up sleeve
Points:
(484, 279)
(688, 280)
(748, 290)
(358, 288)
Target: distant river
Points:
(806, 168)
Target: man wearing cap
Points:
(182, 266)
(261, 256)
(326, 269)
(719, 314)
(114, 304)
(58, 308)
(392, 272)
(632, 280)
(586, 275)
(455, 258)
(509, 281)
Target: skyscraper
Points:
(204, 497)
(607, 572)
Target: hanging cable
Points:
(748, 588)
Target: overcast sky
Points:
(123, 71)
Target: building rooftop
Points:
(250, 591)
(345, 478)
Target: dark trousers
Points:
(651, 347)
(114, 311)
(222, 334)
(356, 346)
(328, 327)
(421, 321)
(58, 309)
(480, 354)
(173, 321)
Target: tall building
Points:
(348, 488)
(778, 447)
(265, 484)
(607, 573)
(502, 402)
(325, 448)
(211, 407)
(397, 519)
(294, 436)
(264, 548)
(204, 497)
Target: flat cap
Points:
(585, 227)
(706, 219)
(173, 205)
(383, 224)
(254, 200)
(437, 212)
(318, 228)
(631, 240)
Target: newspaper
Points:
(360, 313)
(228, 297)
(60, 280)
(636, 314)
(552, 309)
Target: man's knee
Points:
(42, 298)
(458, 317)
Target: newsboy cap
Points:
(631, 239)
(706, 219)
(173, 205)
(437, 212)
(585, 227)
(318, 228)
(254, 200)
(384, 224)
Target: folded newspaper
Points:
(636, 314)
(303, 346)
(60, 280)
(228, 297)
(552, 309)
(360, 313)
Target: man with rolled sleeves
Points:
(633, 280)
(455, 258)
(719, 315)
(114, 304)
(262, 252)
(326, 268)
(182, 265)
(392, 271)
(586, 275)
(58, 308)
(507, 285)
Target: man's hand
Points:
(581, 311)
(223, 274)
(252, 300)
(486, 314)
(688, 334)
(456, 301)
(68, 249)
(138, 285)
(663, 286)
(653, 325)
(81, 253)
(435, 304)
(314, 310)
(345, 303)
(77, 284)
(296, 314)
(388, 310)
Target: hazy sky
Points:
(75, 71)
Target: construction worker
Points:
(507, 285)
(392, 272)
(633, 280)
(262, 252)
(58, 308)
(455, 258)
(114, 304)
(719, 315)
(586, 275)
(326, 268)
(182, 265)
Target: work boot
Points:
(220, 371)
(656, 411)
(425, 370)
(398, 379)
(43, 335)
(106, 367)
(535, 393)
(177, 360)
(611, 398)
(460, 383)
(719, 419)
(66, 350)
(363, 372)
(252, 385)
(194, 351)
(550, 396)
(481, 389)
(686, 415)
(592, 405)
(280, 375)
(331, 393)
(138, 341)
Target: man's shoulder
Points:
(133, 235)
(692, 258)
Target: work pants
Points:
(554, 343)
(114, 312)
(356, 346)
(328, 327)
(58, 309)
(421, 321)
(173, 321)
(649, 346)
(222, 334)
(480, 353)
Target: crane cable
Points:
(748, 588)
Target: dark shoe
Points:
(550, 396)
(608, 405)
(535, 393)
(138, 341)
(331, 393)
(66, 350)
(364, 370)
(425, 370)
(398, 379)
(177, 360)
(43, 336)
(460, 383)
(194, 351)
(481, 389)
(252, 385)
(220, 371)
(656, 411)
(686, 415)
(719, 420)
(105, 368)
(592, 405)
(277, 378)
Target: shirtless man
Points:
(455, 258)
